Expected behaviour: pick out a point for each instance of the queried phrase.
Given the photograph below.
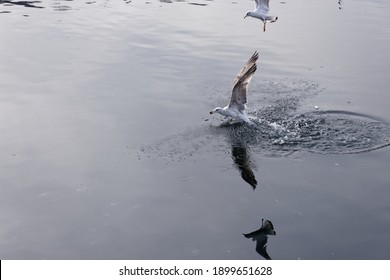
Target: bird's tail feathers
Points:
(271, 18)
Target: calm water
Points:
(108, 151)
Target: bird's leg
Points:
(264, 26)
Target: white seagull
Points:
(261, 12)
(236, 107)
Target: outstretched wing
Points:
(262, 6)
(240, 84)
(257, 4)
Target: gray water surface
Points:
(108, 150)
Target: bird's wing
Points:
(240, 84)
(262, 6)
(257, 4)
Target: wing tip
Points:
(254, 57)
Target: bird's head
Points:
(247, 14)
(216, 110)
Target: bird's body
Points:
(261, 12)
(233, 113)
(238, 100)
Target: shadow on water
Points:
(261, 237)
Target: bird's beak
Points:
(245, 16)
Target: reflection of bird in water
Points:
(261, 237)
(236, 107)
(240, 136)
(261, 12)
(242, 161)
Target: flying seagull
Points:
(261, 12)
(236, 107)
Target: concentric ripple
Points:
(335, 132)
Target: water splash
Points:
(279, 129)
(336, 132)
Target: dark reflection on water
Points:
(261, 237)
(243, 163)
(240, 153)
(340, 4)
(197, 4)
(27, 4)
(172, 1)
(191, 3)
(61, 8)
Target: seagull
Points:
(236, 108)
(261, 12)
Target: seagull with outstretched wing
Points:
(261, 12)
(238, 101)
